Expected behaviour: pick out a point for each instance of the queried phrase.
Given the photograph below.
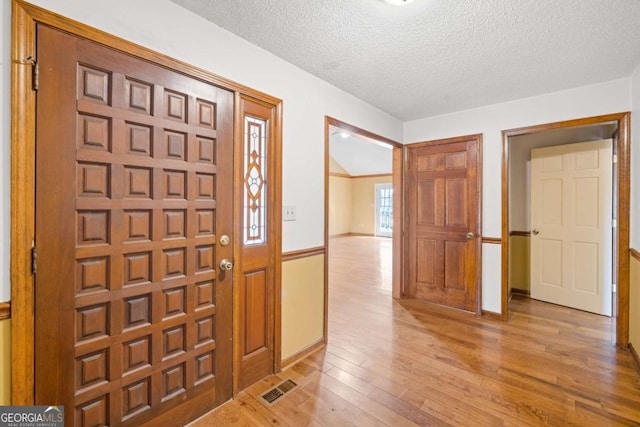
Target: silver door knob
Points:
(470, 235)
(226, 265)
(535, 231)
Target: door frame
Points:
(479, 238)
(397, 238)
(623, 149)
(25, 18)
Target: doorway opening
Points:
(522, 239)
(363, 194)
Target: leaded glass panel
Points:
(255, 181)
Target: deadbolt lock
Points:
(224, 240)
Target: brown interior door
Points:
(133, 189)
(442, 205)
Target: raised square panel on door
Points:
(456, 202)
(175, 144)
(94, 85)
(551, 200)
(204, 367)
(92, 275)
(206, 114)
(454, 265)
(137, 268)
(136, 398)
(92, 322)
(205, 292)
(175, 106)
(93, 413)
(174, 262)
(94, 180)
(206, 149)
(173, 381)
(430, 162)
(456, 160)
(174, 302)
(93, 227)
(94, 132)
(551, 262)
(175, 184)
(138, 182)
(139, 96)
(175, 223)
(136, 354)
(587, 160)
(256, 308)
(587, 201)
(426, 255)
(138, 224)
(427, 205)
(92, 369)
(586, 258)
(174, 341)
(137, 311)
(139, 140)
(553, 163)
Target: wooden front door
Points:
(571, 237)
(442, 222)
(134, 174)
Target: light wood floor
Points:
(394, 363)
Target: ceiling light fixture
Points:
(344, 135)
(398, 2)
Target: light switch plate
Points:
(289, 213)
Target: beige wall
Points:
(5, 362)
(340, 201)
(634, 305)
(364, 203)
(302, 304)
(335, 167)
(352, 204)
(519, 263)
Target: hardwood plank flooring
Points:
(404, 363)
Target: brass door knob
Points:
(470, 235)
(226, 265)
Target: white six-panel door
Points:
(571, 209)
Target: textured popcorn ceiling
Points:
(436, 56)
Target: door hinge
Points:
(36, 75)
(34, 260)
(614, 223)
(35, 72)
(614, 288)
(615, 159)
(406, 157)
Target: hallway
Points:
(394, 363)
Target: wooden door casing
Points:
(443, 202)
(133, 185)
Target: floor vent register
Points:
(271, 396)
